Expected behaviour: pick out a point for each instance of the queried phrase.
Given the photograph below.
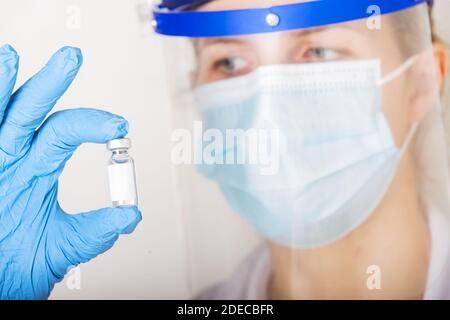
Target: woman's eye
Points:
(231, 66)
(321, 54)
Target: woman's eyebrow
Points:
(305, 32)
(221, 40)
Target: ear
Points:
(427, 79)
(441, 60)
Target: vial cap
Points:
(115, 144)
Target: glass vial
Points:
(121, 174)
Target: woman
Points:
(358, 208)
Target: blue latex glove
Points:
(38, 240)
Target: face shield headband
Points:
(172, 18)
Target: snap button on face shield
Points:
(272, 19)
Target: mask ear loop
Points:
(391, 77)
(408, 138)
(397, 72)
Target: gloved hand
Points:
(38, 240)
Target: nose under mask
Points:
(336, 154)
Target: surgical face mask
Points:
(337, 156)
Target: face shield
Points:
(312, 129)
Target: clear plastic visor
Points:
(323, 148)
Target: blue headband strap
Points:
(271, 19)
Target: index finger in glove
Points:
(63, 132)
(30, 104)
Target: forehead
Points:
(344, 32)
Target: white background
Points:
(123, 73)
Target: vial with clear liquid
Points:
(121, 174)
